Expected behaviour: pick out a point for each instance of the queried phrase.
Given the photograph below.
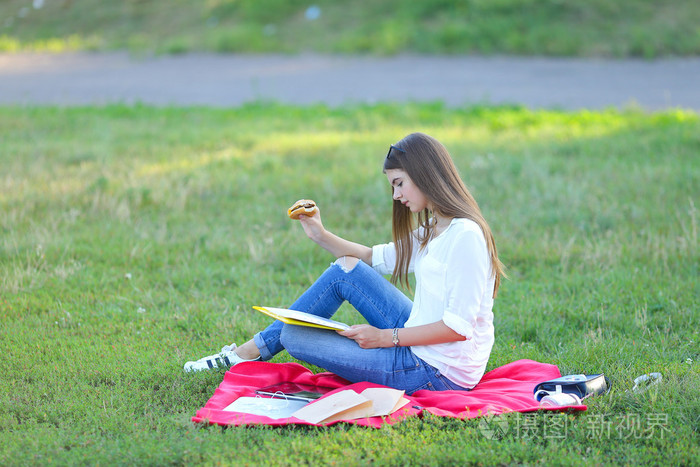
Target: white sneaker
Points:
(227, 357)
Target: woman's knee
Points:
(347, 263)
(300, 341)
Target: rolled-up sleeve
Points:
(468, 276)
(384, 258)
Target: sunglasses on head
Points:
(392, 147)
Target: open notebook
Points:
(342, 405)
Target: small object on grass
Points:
(644, 382)
(582, 386)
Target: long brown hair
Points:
(428, 164)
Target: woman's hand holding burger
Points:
(308, 213)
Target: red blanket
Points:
(505, 389)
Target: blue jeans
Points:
(382, 305)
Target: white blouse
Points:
(453, 284)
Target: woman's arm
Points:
(369, 337)
(336, 245)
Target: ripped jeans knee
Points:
(347, 263)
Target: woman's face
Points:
(405, 191)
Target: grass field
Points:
(621, 28)
(133, 239)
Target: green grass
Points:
(621, 28)
(133, 239)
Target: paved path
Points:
(229, 80)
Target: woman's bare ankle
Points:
(248, 350)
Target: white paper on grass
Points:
(269, 407)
